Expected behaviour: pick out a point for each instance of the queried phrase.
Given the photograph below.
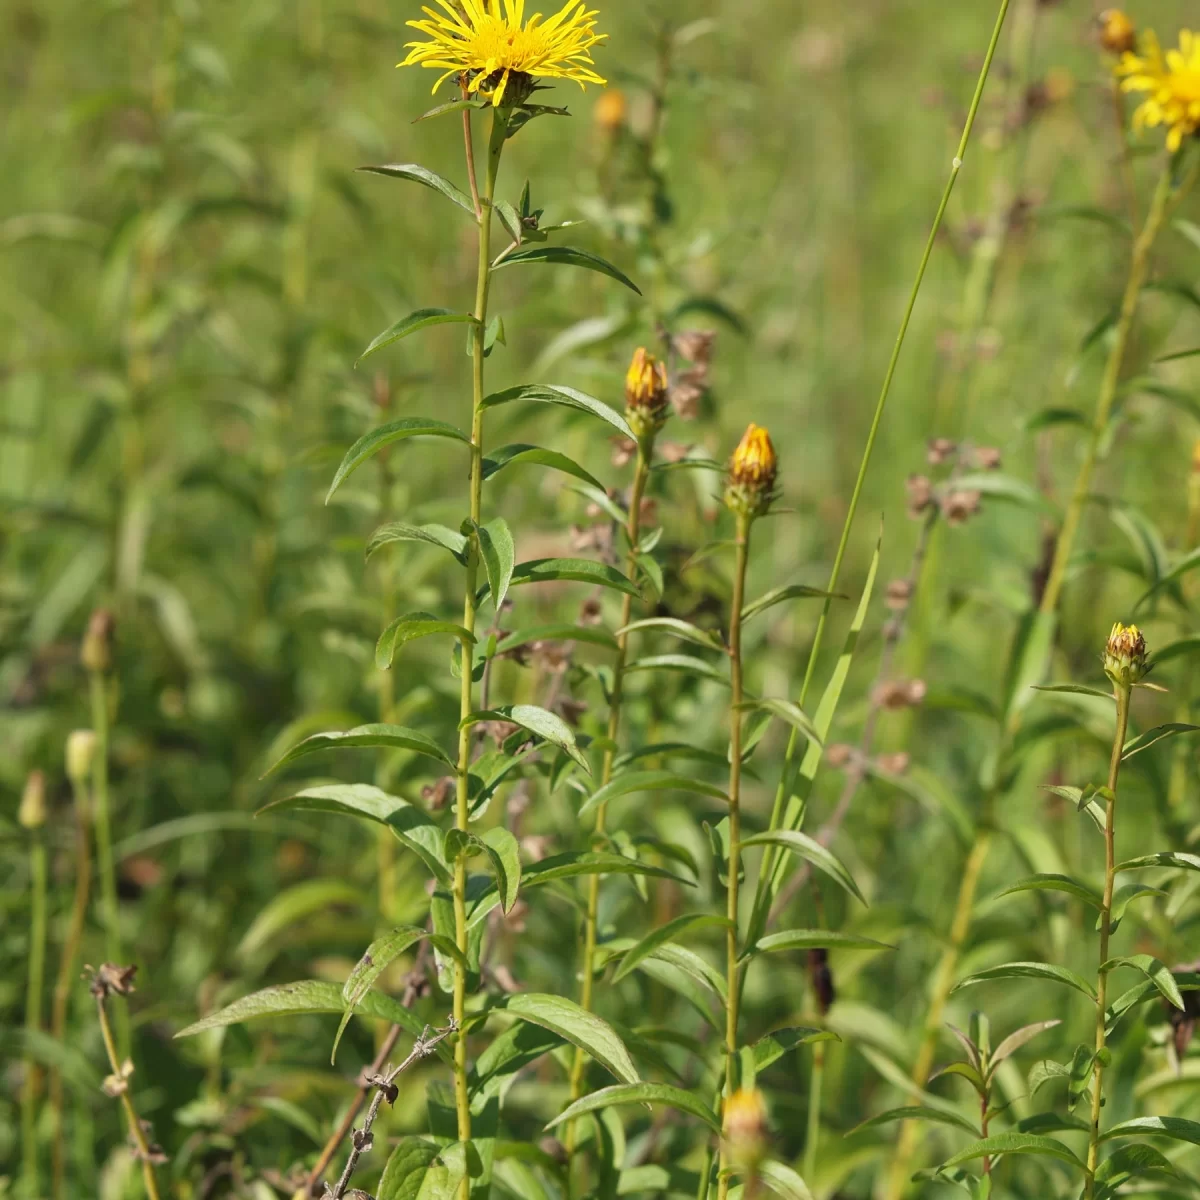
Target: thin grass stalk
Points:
(136, 1132)
(33, 1009)
(462, 804)
(736, 718)
(1122, 692)
(633, 530)
(110, 911)
(773, 863)
(1177, 788)
(66, 978)
(812, 1139)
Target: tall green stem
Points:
(462, 805)
(1110, 870)
(110, 910)
(633, 531)
(33, 1007)
(773, 864)
(812, 1138)
(1139, 265)
(735, 824)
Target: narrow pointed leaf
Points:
(430, 179)
(382, 737)
(1019, 1038)
(774, 1046)
(545, 724)
(649, 781)
(505, 857)
(815, 939)
(1177, 859)
(1145, 740)
(811, 851)
(565, 397)
(371, 443)
(679, 662)
(499, 557)
(433, 535)
(1013, 1143)
(1156, 971)
(783, 1181)
(408, 629)
(1176, 1128)
(578, 570)
(584, 1029)
(781, 595)
(568, 256)
(916, 1112)
(516, 455)
(1029, 970)
(676, 628)
(423, 318)
(592, 634)
(641, 1093)
(792, 713)
(663, 934)
(1056, 883)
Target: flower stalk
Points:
(646, 407)
(32, 816)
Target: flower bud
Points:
(1117, 32)
(611, 110)
(81, 752)
(646, 393)
(746, 1129)
(96, 652)
(752, 474)
(1125, 655)
(32, 813)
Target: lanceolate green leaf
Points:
(423, 318)
(1145, 740)
(410, 627)
(505, 855)
(412, 825)
(499, 556)
(676, 628)
(792, 713)
(565, 397)
(1155, 970)
(381, 737)
(429, 178)
(774, 1046)
(641, 1093)
(511, 456)
(584, 1029)
(686, 663)
(814, 939)
(592, 634)
(666, 933)
(1056, 883)
(916, 1112)
(649, 781)
(1014, 1143)
(568, 256)
(386, 435)
(812, 851)
(1176, 859)
(1176, 1128)
(783, 1181)
(434, 535)
(546, 725)
(781, 595)
(305, 997)
(578, 570)
(1029, 970)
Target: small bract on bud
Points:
(753, 470)
(81, 753)
(746, 1129)
(646, 393)
(96, 652)
(32, 813)
(1117, 32)
(1125, 655)
(611, 110)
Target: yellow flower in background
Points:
(1117, 32)
(1171, 83)
(489, 41)
(753, 469)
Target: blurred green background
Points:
(189, 267)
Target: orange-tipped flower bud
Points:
(611, 110)
(752, 473)
(746, 1134)
(1125, 655)
(646, 395)
(1117, 33)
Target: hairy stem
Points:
(136, 1132)
(773, 864)
(735, 824)
(462, 811)
(1122, 693)
(66, 978)
(633, 530)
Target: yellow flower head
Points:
(1171, 83)
(752, 472)
(1125, 655)
(611, 110)
(746, 1128)
(489, 41)
(1117, 32)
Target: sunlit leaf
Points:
(430, 179)
(423, 318)
(386, 435)
(567, 256)
(590, 1033)
(641, 1093)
